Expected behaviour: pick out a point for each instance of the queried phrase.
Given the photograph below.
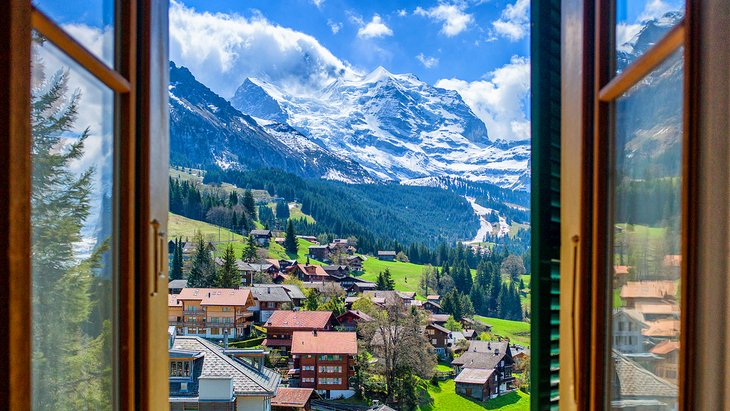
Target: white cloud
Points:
(374, 29)
(514, 21)
(402, 13)
(454, 18)
(334, 26)
(501, 101)
(625, 33)
(222, 50)
(654, 9)
(318, 3)
(427, 61)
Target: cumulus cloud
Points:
(626, 31)
(402, 13)
(452, 16)
(514, 21)
(318, 3)
(334, 26)
(500, 100)
(222, 50)
(427, 61)
(374, 29)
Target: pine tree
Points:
(71, 349)
(203, 272)
(249, 252)
(177, 261)
(249, 204)
(388, 280)
(229, 276)
(282, 210)
(290, 242)
(380, 283)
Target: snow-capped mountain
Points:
(206, 130)
(395, 126)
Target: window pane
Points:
(640, 24)
(72, 235)
(646, 217)
(90, 22)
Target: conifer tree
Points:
(249, 204)
(229, 276)
(249, 252)
(202, 272)
(388, 280)
(177, 261)
(290, 242)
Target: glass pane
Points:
(90, 22)
(646, 217)
(72, 235)
(640, 24)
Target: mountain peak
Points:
(380, 73)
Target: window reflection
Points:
(72, 241)
(646, 216)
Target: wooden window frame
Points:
(606, 88)
(139, 80)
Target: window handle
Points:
(575, 240)
(159, 245)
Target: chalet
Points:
(478, 383)
(326, 361)
(282, 324)
(310, 273)
(668, 360)
(320, 252)
(280, 240)
(438, 336)
(652, 292)
(175, 286)
(489, 355)
(269, 298)
(634, 387)
(470, 334)
(439, 319)
(385, 298)
(249, 270)
(342, 246)
(350, 318)
(349, 281)
(431, 306)
(386, 255)
(355, 262)
(310, 238)
(363, 286)
(293, 399)
(262, 237)
(434, 298)
(211, 312)
(338, 272)
(202, 376)
(295, 293)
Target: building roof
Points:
(433, 297)
(173, 301)
(247, 380)
(662, 328)
(319, 247)
(482, 354)
(300, 319)
(657, 308)
(215, 296)
(407, 294)
(439, 318)
(388, 253)
(665, 347)
(260, 232)
(620, 269)
(314, 270)
(649, 289)
(324, 342)
(357, 314)
(636, 381)
(474, 376)
(294, 291)
(438, 327)
(292, 397)
(470, 333)
(355, 257)
(270, 293)
(365, 284)
(177, 284)
(388, 297)
(256, 267)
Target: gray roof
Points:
(386, 253)
(177, 284)
(440, 328)
(440, 318)
(246, 379)
(481, 354)
(253, 266)
(390, 297)
(260, 232)
(474, 376)
(294, 292)
(636, 381)
(270, 293)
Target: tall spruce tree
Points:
(249, 204)
(176, 273)
(249, 251)
(202, 272)
(71, 352)
(229, 275)
(290, 242)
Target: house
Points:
(431, 306)
(438, 336)
(628, 325)
(383, 298)
(349, 281)
(386, 255)
(203, 377)
(478, 383)
(355, 262)
(211, 312)
(667, 366)
(296, 294)
(292, 399)
(174, 313)
(633, 387)
(439, 319)
(489, 355)
(262, 237)
(175, 286)
(434, 298)
(653, 292)
(319, 252)
(620, 275)
(338, 272)
(249, 270)
(326, 361)
(363, 286)
(310, 273)
(310, 238)
(350, 318)
(269, 298)
(282, 324)
(470, 334)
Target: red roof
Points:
(665, 347)
(292, 397)
(215, 296)
(315, 270)
(324, 342)
(311, 320)
(649, 289)
(172, 301)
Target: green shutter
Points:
(545, 210)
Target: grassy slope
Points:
(295, 213)
(445, 398)
(405, 275)
(516, 331)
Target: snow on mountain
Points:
(394, 125)
(206, 130)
